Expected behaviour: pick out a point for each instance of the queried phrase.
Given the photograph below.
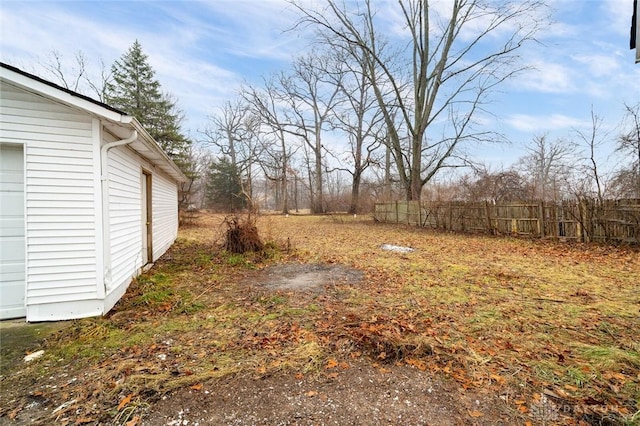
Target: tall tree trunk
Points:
(295, 192)
(357, 171)
(415, 180)
(387, 173)
(276, 197)
(355, 192)
(285, 166)
(312, 191)
(318, 205)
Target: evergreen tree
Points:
(223, 189)
(135, 90)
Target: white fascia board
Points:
(49, 92)
(162, 159)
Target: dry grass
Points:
(526, 320)
(522, 318)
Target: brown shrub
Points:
(242, 235)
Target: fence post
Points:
(410, 207)
(541, 223)
(585, 220)
(579, 233)
(554, 220)
(397, 213)
(488, 211)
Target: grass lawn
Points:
(538, 323)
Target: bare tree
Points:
(592, 140)
(191, 193)
(277, 153)
(629, 143)
(228, 129)
(56, 68)
(76, 77)
(483, 184)
(451, 70)
(311, 92)
(360, 119)
(547, 164)
(234, 132)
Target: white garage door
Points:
(12, 249)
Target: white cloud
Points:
(25, 33)
(545, 123)
(257, 30)
(559, 30)
(548, 77)
(599, 65)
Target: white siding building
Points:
(87, 198)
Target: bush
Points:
(242, 235)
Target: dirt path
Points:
(360, 395)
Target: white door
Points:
(12, 249)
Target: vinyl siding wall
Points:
(165, 213)
(63, 235)
(60, 182)
(125, 210)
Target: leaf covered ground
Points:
(549, 332)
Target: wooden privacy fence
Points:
(580, 220)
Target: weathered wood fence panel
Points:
(583, 220)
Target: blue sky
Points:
(203, 51)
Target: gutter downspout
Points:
(104, 179)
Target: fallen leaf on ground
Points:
(332, 363)
(134, 421)
(499, 379)
(419, 364)
(125, 401)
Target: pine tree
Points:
(135, 90)
(223, 190)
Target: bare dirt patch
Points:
(306, 277)
(361, 394)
